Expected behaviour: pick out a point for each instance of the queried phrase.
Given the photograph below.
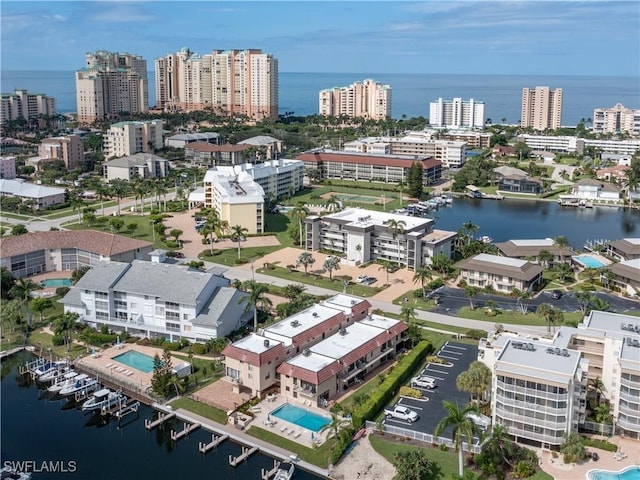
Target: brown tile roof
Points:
(208, 147)
(510, 249)
(338, 157)
(625, 271)
(626, 247)
(105, 244)
(526, 272)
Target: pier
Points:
(246, 453)
(122, 409)
(162, 417)
(215, 441)
(188, 428)
(267, 474)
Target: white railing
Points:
(421, 436)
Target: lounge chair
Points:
(283, 429)
(289, 432)
(129, 373)
(297, 434)
(108, 365)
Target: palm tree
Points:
(522, 296)
(463, 427)
(120, 189)
(545, 257)
(471, 292)
(548, 312)
(476, 380)
(334, 427)
(470, 228)
(561, 242)
(22, 289)
(212, 227)
(64, 325)
(238, 232)
(499, 443)
(606, 277)
(300, 212)
(306, 260)
(255, 300)
(333, 203)
(102, 191)
(598, 387)
(331, 264)
(77, 202)
(422, 275)
(387, 267)
(396, 227)
(407, 314)
(603, 413)
(631, 183)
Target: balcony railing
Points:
(533, 392)
(506, 414)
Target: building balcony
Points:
(626, 424)
(531, 406)
(629, 412)
(629, 398)
(558, 397)
(306, 392)
(629, 383)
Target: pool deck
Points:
(48, 291)
(607, 461)
(599, 258)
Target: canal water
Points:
(509, 219)
(55, 435)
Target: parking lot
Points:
(459, 356)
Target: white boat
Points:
(66, 380)
(102, 399)
(285, 471)
(48, 367)
(54, 374)
(79, 384)
(486, 239)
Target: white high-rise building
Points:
(616, 119)
(456, 113)
(110, 84)
(229, 82)
(22, 104)
(541, 108)
(367, 99)
(128, 138)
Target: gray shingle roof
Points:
(101, 276)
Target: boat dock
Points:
(122, 409)
(267, 474)
(188, 428)
(246, 453)
(84, 393)
(149, 425)
(215, 441)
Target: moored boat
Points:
(79, 385)
(47, 368)
(102, 399)
(66, 380)
(54, 374)
(285, 471)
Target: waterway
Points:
(511, 219)
(55, 434)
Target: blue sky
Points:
(439, 36)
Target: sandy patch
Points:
(363, 462)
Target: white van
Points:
(423, 381)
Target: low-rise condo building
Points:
(626, 276)
(140, 165)
(500, 273)
(360, 236)
(213, 155)
(183, 139)
(530, 249)
(251, 362)
(624, 249)
(157, 300)
(322, 163)
(236, 197)
(40, 252)
(68, 149)
(266, 147)
(36, 196)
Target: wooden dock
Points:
(267, 474)
(215, 441)
(246, 453)
(188, 428)
(162, 417)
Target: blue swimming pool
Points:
(136, 360)
(301, 417)
(629, 473)
(588, 261)
(56, 282)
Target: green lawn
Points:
(316, 456)
(314, 197)
(143, 229)
(320, 281)
(510, 317)
(230, 256)
(44, 341)
(201, 409)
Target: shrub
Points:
(437, 283)
(240, 261)
(435, 359)
(601, 444)
(58, 339)
(444, 447)
(171, 346)
(410, 392)
(523, 469)
(198, 349)
(62, 291)
(475, 334)
(172, 244)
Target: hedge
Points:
(601, 444)
(388, 388)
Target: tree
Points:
(415, 180)
(79, 272)
(120, 189)
(40, 304)
(333, 203)
(522, 150)
(415, 465)
(238, 233)
(545, 257)
(334, 427)
(596, 385)
(606, 277)
(471, 292)
(396, 227)
(22, 290)
(476, 380)
(7, 282)
(522, 297)
(306, 260)
(561, 242)
(11, 313)
(422, 275)
(331, 264)
(564, 272)
(300, 212)
(77, 202)
(462, 426)
(255, 299)
(550, 314)
(19, 229)
(175, 233)
(442, 263)
(64, 325)
(407, 314)
(161, 380)
(573, 449)
(293, 291)
(116, 224)
(603, 413)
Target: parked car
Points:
(556, 294)
(361, 278)
(369, 281)
(422, 381)
(401, 412)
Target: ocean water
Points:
(411, 92)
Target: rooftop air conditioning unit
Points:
(315, 314)
(306, 352)
(266, 343)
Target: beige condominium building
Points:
(22, 104)
(541, 108)
(236, 197)
(109, 84)
(616, 119)
(68, 148)
(128, 138)
(227, 82)
(608, 345)
(367, 99)
(500, 273)
(140, 165)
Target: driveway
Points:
(430, 408)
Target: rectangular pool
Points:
(588, 261)
(136, 360)
(56, 282)
(301, 417)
